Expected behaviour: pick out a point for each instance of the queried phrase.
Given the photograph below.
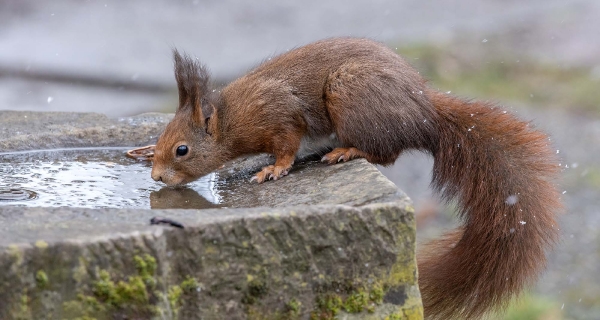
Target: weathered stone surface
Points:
(337, 241)
(246, 261)
(353, 183)
(24, 130)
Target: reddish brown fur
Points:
(497, 168)
(344, 154)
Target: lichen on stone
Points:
(365, 299)
(23, 311)
(190, 285)
(146, 267)
(41, 244)
(130, 297)
(41, 279)
(174, 297)
(327, 307)
(256, 289)
(376, 294)
(291, 311)
(395, 316)
(356, 302)
(293, 308)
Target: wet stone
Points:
(107, 178)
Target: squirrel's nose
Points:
(156, 176)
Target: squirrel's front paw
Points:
(270, 173)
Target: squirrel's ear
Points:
(192, 84)
(210, 120)
(202, 113)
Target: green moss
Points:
(256, 289)
(82, 307)
(291, 312)
(327, 307)
(41, 279)
(377, 293)
(401, 274)
(356, 302)
(131, 292)
(190, 285)
(79, 273)
(130, 297)
(104, 288)
(395, 316)
(174, 297)
(23, 312)
(361, 299)
(253, 313)
(404, 269)
(16, 254)
(371, 308)
(293, 308)
(176, 293)
(41, 244)
(146, 267)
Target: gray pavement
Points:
(131, 41)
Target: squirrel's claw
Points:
(342, 155)
(270, 173)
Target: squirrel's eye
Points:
(182, 150)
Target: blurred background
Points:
(539, 59)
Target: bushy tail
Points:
(500, 172)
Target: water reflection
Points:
(182, 198)
(95, 178)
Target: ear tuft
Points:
(192, 83)
(210, 120)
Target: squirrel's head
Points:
(188, 147)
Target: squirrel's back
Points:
(318, 84)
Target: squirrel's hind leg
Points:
(343, 154)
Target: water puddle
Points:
(16, 195)
(96, 178)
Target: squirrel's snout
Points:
(156, 176)
(166, 176)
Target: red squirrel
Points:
(356, 98)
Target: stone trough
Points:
(325, 242)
